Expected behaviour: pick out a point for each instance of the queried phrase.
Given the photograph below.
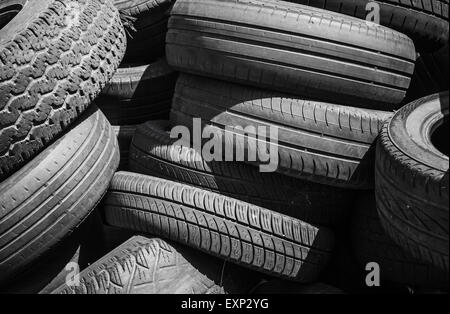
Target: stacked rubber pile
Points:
(58, 152)
(350, 168)
(143, 86)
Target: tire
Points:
(148, 266)
(139, 93)
(321, 142)
(291, 48)
(146, 22)
(124, 137)
(51, 270)
(426, 22)
(412, 179)
(51, 195)
(50, 72)
(236, 231)
(371, 244)
(153, 152)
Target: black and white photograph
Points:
(248, 150)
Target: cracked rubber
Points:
(291, 48)
(321, 142)
(412, 181)
(51, 195)
(55, 57)
(425, 21)
(144, 265)
(233, 230)
(138, 93)
(153, 152)
(371, 244)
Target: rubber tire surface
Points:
(371, 244)
(321, 142)
(412, 181)
(426, 22)
(49, 272)
(291, 48)
(152, 266)
(51, 195)
(139, 93)
(55, 57)
(236, 231)
(153, 152)
(124, 137)
(147, 27)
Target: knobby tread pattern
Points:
(236, 231)
(425, 21)
(51, 70)
(138, 93)
(50, 196)
(412, 198)
(149, 265)
(153, 152)
(372, 244)
(321, 142)
(316, 53)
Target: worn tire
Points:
(138, 93)
(124, 137)
(371, 244)
(321, 142)
(153, 152)
(236, 231)
(291, 48)
(55, 57)
(426, 22)
(412, 179)
(51, 195)
(49, 272)
(146, 22)
(148, 266)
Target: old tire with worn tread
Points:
(153, 152)
(55, 57)
(425, 21)
(52, 194)
(236, 231)
(321, 142)
(412, 179)
(291, 48)
(371, 244)
(144, 265)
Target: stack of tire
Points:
(355, 116)
(58, 152)
(143, 86)
(329, 83)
